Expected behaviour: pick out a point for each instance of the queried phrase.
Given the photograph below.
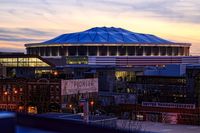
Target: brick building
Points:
(30, 95)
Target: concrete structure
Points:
(21, 65)
(2, 71)
(193, 80)
(108, 41)
(30, 95)
(111, 46)
(168, 70)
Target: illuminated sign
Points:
(76, 86)
(168, 105)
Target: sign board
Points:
(168, 105)
(75, 86)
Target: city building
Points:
(139, 74)
(167, 94)
(193, 80)
(104, 41)
(113, 55)
(30, 95)
(111, 46)
(22, 65)
(2, 71)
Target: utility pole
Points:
(85, 110)
(6, 95)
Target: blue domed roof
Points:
(107, 35)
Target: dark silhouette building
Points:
(30, 95)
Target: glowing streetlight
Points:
(55, 73)
(15, 92)
(6, 93)
(70, 106)
(92, 103)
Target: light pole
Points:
(6, 95)
(16, 99)
(15, 92)
(92, 106)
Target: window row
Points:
(109, 51)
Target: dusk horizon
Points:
(100, 66)
(37, 21)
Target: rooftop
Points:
(107, 35)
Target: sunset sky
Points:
(27, 21)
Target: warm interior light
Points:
(92, 103)
(70, 105)
(55, 73)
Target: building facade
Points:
(30, 95)
(111, 46)
(21, 65)
(193, 82)
(2, 71)
(108, 41)
(161, 89)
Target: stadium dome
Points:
(108, 41)
(108, 36)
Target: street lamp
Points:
(15, 92)
(15, 96)
(6, 94)
(55, 73)
(92, 106)
(70, 106)
(92, 103)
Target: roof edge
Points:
(107, 44)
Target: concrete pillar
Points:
(87, 53)
(97, 50)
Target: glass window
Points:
(162, 51)
(77, 60)
(186, 51)
(54, 51)
(175, 49)
(155, 50)
(92, 50)
(169, 50)
(22, 62)
(37, 51)
(62, 51)
(139, 50)
(28, 50)
(72, 50)
(131, 50)
(122, 50)
(113, 51)
(125, 76)
(102, 50)
(47, 51)
(147, 51)
(42, 51)
(181, 51)
(82, 50)
(9, 59)
(32, 51)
